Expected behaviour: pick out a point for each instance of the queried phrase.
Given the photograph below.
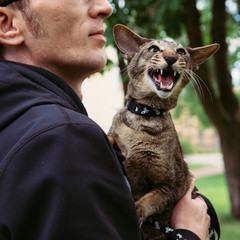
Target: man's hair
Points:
(22, 6)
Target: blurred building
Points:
(103, 94)
(188, 128)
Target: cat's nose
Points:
(170, 60)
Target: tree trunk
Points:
(230, 133)
(238, 3)
(222, 108)
(231, 153)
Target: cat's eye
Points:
(181, 51)
(153, 49)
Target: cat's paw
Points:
(141, 213)
(111, 139)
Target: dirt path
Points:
(214, 164)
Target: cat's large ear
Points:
(200, 54)
(127, 41)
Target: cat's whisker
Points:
(124, 71)
(196, 88)
(196, 85)
(195, 81)
(200, 82)
(209, 92)
(123, 74)
(139, 70)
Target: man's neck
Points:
(73, 80)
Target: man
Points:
(59, 176)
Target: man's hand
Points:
(191, 214)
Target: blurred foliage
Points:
(186, 145)
(189, 102)
(152, 19)
(166, 19)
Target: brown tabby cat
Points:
(144, 131)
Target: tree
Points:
(224, 110)
(181, 20)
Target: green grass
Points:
(193, 166)
(215, 189)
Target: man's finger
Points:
(192, 184)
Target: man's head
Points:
(63, 36)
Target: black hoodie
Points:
(59, 176)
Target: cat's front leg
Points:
(111, 140)
(151, 203)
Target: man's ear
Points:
(200, 54)
(10, 33)
(127, 41)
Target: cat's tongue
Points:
(166, 82)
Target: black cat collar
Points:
(144, 110)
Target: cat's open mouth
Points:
(164, 79)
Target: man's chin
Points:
(100, 64)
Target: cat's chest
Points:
(157, 135)
(152, 126)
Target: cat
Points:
(143, 130)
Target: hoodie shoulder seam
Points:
(29, 138)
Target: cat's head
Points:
(158, 67)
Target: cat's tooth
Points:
(170, 86)
(175, 73)
(161, 85)
(161, 71)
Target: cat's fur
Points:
(154, 163)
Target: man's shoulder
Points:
(40, 121)
(57, 114)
